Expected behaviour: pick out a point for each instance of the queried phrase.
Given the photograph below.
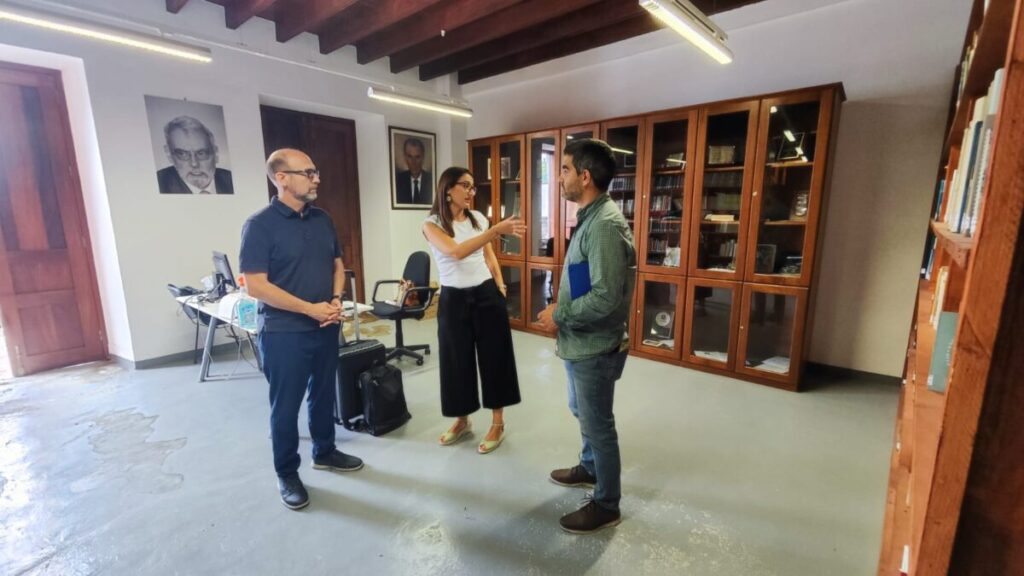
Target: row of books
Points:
(662, 203)
(964, 190)
(720, 202)
(626, 206)
(668, 181)
(622, 183)
(727, 248)
(944, 324)
(732, 179)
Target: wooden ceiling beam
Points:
(502, 23)
(447, 16)
(640, 24)
(607, 13)
(175, 6)
(308, 15)
(366, 20)
(239, 12)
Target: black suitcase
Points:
(354, 358)
(384, 407)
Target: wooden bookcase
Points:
(726, 202)
(954, 502)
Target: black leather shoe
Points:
(338, 461)
(572, 477)
(293, 493)
(590, 518)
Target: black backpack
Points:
(384, 407)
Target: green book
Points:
(938, 374)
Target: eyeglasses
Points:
(467, 186)
(186, 156)
(310, 173)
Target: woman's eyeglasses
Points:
(467, 186)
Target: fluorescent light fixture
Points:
(675, 160)
(774, 109)
(692, 24)
(389, 95)
(569, 137)
(620, 150)
(799, 150)
(789, 135)
(95, 31)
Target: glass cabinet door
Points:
(624, 137)
(712, 312)
(771, 332)
(668, 149)
(510, 196)
(723, 182)
(660, 321)
(569, 208)
(543, 280)
(512, 273)
(787, 191)
(480, 166)
(542, 221)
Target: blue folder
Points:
(579, 279)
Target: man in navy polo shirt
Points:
(292, 264)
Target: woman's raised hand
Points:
(513, 225)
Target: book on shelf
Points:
(929, 259)
(992, 99)
(938, 372)
(940, 295)
(775, 364)
(715, 355)
(720, 217)
(939, 196)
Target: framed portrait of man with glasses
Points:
(190, 147)
(413, 165)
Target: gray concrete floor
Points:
(107, 471)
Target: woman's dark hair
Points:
(441, 208)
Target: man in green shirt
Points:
(591, 317)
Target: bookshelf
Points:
(953, 504)
(725, 200)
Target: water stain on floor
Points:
(127, 458)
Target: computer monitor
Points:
(223, 270)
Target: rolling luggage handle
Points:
(351, 276)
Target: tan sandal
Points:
(449, 437)
(488, 446)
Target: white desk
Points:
(216, 319)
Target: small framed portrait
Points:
(764, 261)
(190, 146)
(506, 168)
(413, 168)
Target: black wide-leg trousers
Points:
(472, 330)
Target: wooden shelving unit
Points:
(956, 474)
(767, 267)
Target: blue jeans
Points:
(293, 363)
(591, 395)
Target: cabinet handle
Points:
(755, 192)
(742, 326)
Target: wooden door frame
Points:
(737, 299)
(556, 216)
(63, 155)
(791, 379)
(677, 325)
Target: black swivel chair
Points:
(417, 270)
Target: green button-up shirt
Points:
(597, 322)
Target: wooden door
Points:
(331, 143)
(771, 336)
(658, 326)
(49, 301)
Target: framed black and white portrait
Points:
(413, 168)
(190, 146)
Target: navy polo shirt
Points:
(296, 250)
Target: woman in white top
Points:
(472, 317)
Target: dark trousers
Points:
(472, 328)
(294, 363)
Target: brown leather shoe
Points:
(572, 477)
(590, 518)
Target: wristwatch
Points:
(335, 297)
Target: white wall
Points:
(143, 239)
(896, 60)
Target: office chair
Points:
(417, 270)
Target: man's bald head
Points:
(285, 159)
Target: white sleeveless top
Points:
(470, 271)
